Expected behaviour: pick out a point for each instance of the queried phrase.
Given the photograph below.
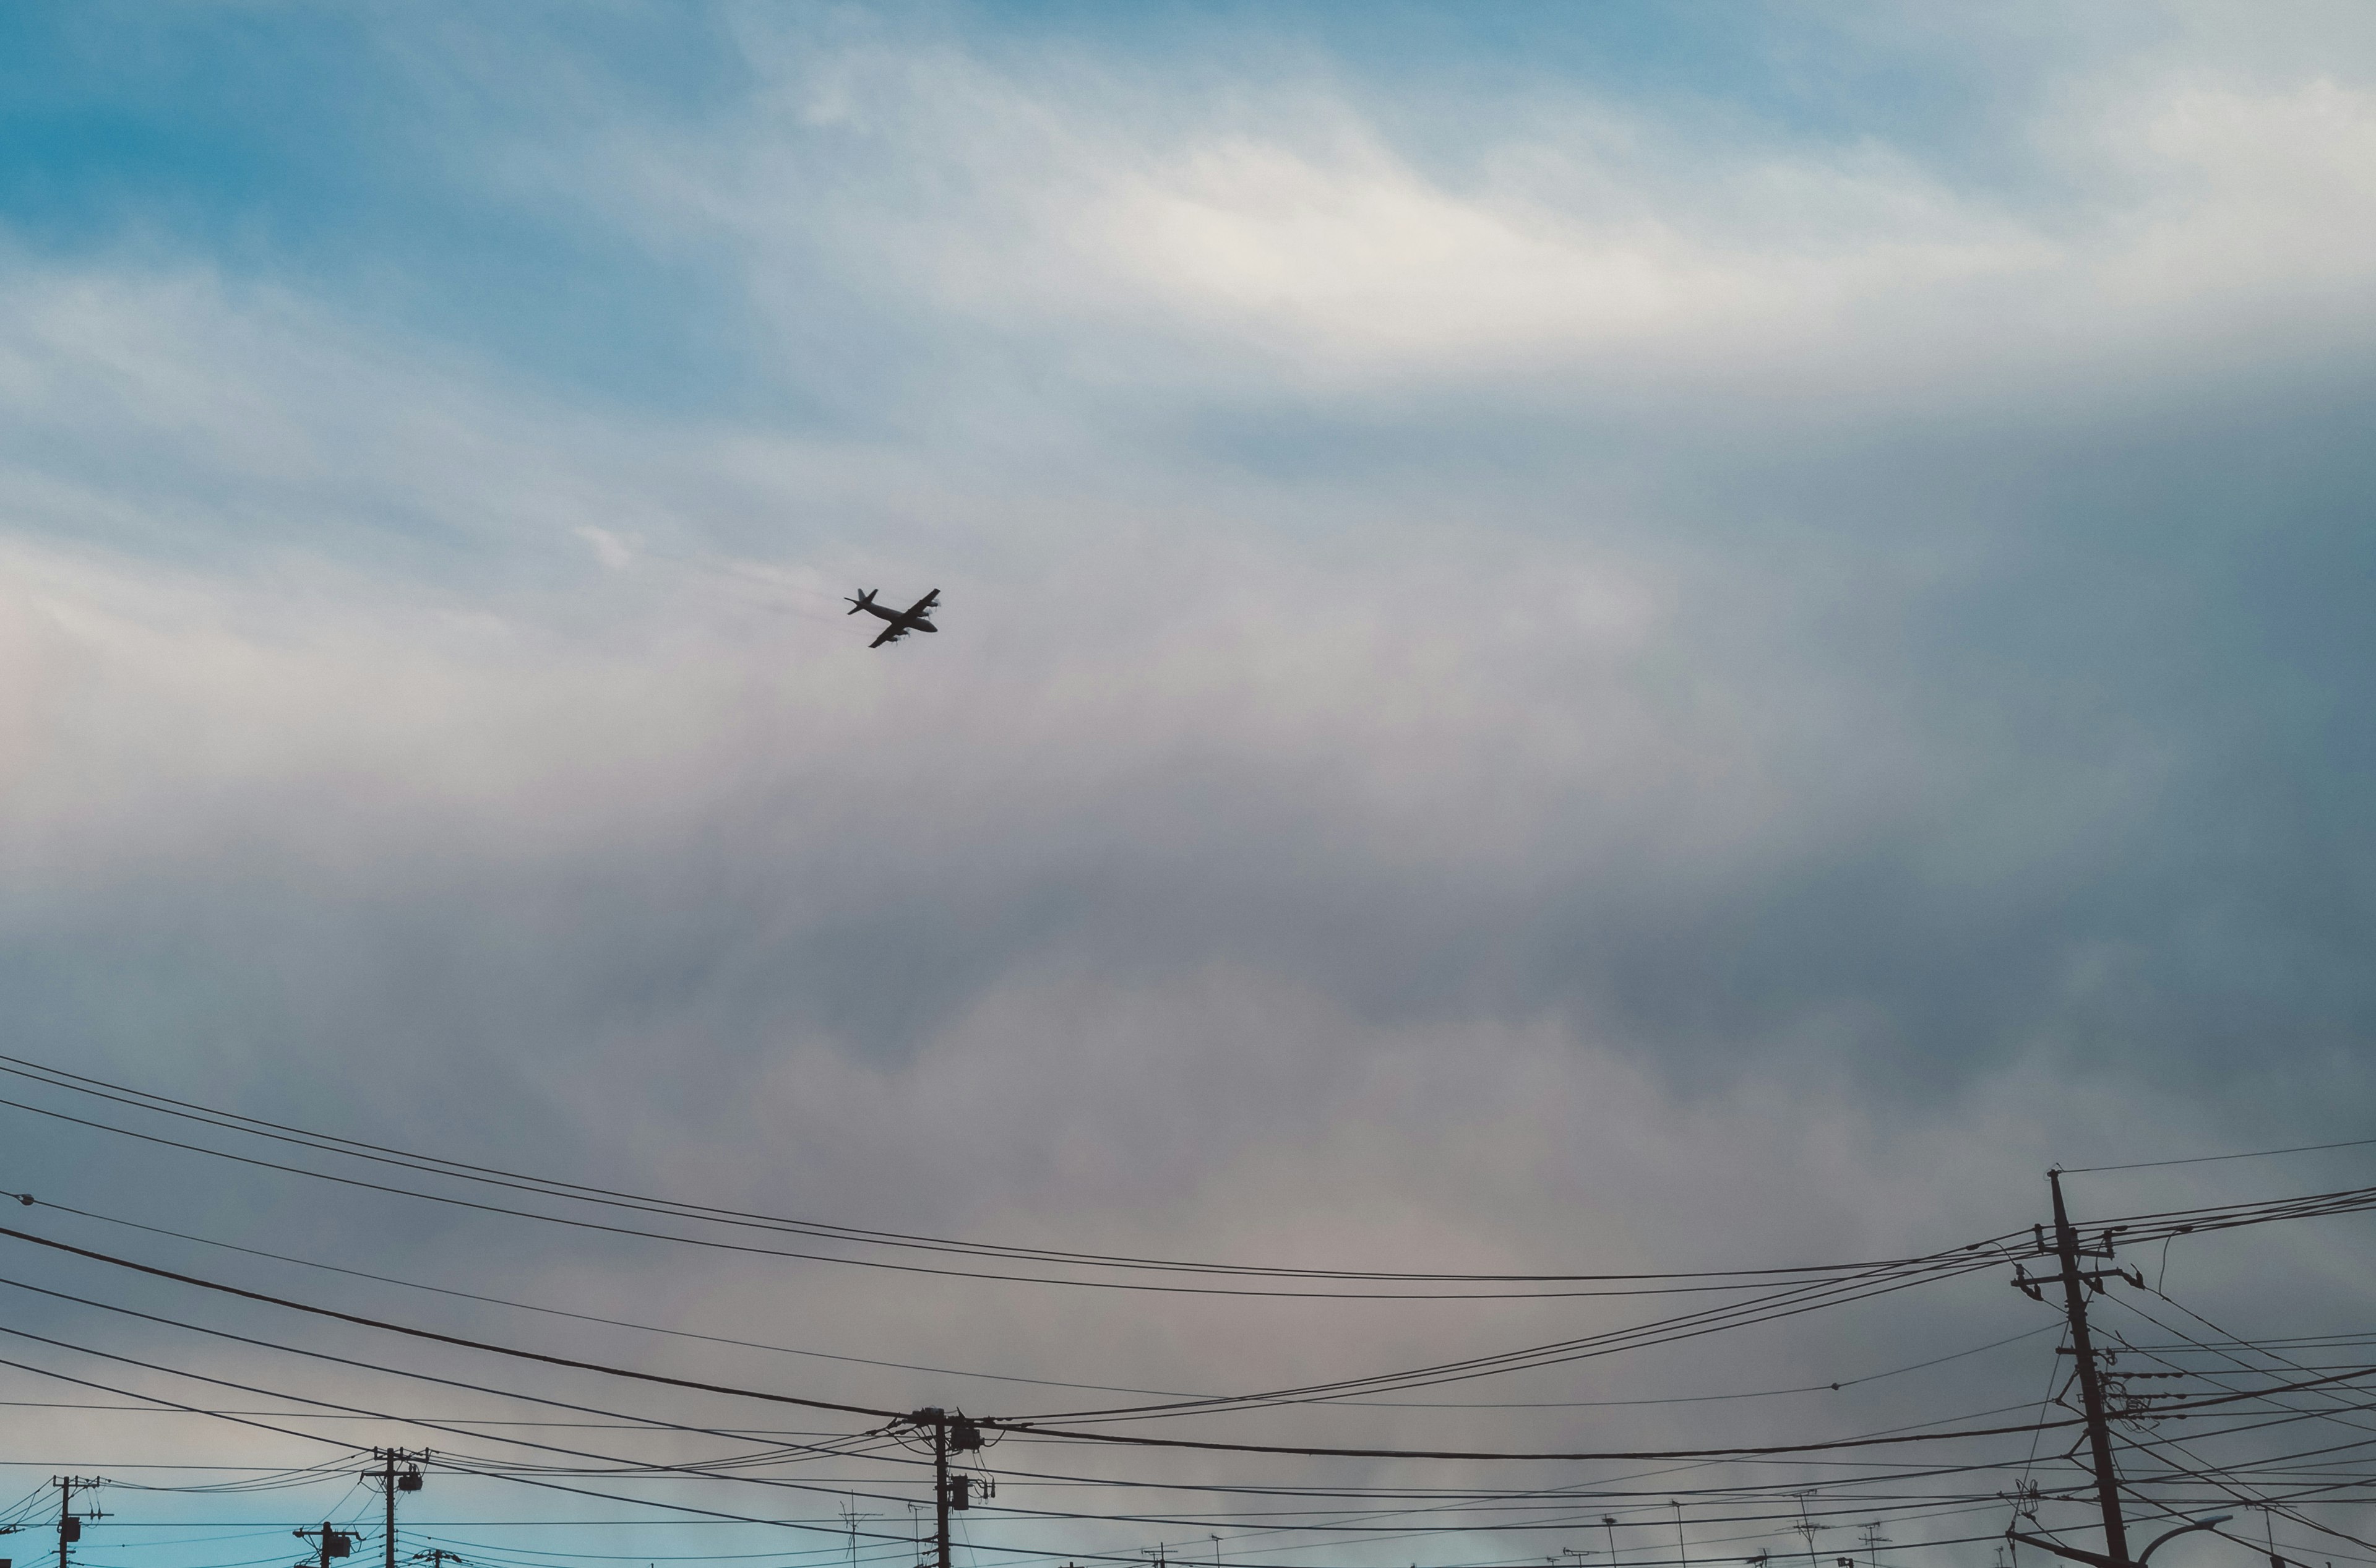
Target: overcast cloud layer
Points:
(1571, 643)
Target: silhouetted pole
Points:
(335, 1542)
(69, 1524)
(2091, 1390)
(941, 1485)
(2076, 1282)
(952, 1434)
(391, 1481)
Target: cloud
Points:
(1619, 689)
(1278, 243)
(1632, 767)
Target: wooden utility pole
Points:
(2078, 1283)
(951, 1434)
(392, 1481)
(69, 1522)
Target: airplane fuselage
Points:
(912, 623)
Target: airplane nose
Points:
(926, 626)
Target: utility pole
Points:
(952, 1434)
(2076, 1283)
(69, 1522)
(2091, 1388)
(330, 1540)
(392, 1481)
(1609, 1524)
(940, 1487)
(1682, 1553)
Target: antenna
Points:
(849, 1517)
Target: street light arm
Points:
(2097, 1559)
(2213, 1520)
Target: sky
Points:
(1576, 638)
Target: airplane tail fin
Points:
(864, 600)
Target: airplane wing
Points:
(924, 603)
(888, 634)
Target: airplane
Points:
(902, 621)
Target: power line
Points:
(943, 1372)
(1747, 1279)
(1783, 1304)
(453, 1339)
(2172, 1412)
(647, 1422)
(355, 1148)
(482, 1467)
(2214, 1158)
(586, 1317)
(1037, 1426)
(1738, 1451)
(469, 1465)
(1778, 1305)
(609, 1460)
